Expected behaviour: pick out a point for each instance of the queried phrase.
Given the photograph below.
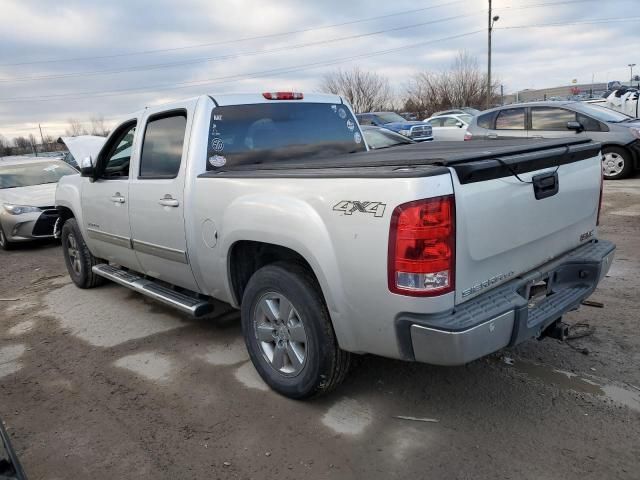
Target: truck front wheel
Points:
(288, 332)
(77, 256)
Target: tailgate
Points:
(503, 230)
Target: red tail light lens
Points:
(422, 247)
(283, 95)
(468, 136)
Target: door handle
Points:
(492, 136)
(117, 198)
(168, 201)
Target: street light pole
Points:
(491, 21)
(631, 65)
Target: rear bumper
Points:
(504, 316)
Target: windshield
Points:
(389, 117)
(380, 138)
(601, 113)
(33, 173)
(272, 132)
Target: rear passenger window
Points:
(510, 119)
(162, 146)
(486, 120)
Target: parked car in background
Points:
(378, 137)
(451, 127)
(618, 133)
(27, 198)
(457, 111)
(414, 129)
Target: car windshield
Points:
(35, 173)
(601, 113)
(378, 138)
(273, 132)
(389, 117)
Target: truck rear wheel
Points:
(77, 256)
(288, 332)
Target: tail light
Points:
(422, 247)
(467, 136)
(600, 199)
(283, 95)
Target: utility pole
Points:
(41, 137)
(631, 65)
(501, 94)
(491, 21)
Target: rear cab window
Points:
(280, 131)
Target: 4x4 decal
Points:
(348, 207)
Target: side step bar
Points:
(185, 303)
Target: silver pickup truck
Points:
(437, 253)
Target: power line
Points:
(235, 55)
(563, 24)
(274, 35)
(226, 42)
(231, 78)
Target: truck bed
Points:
(473, 161)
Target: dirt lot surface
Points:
(104, 384)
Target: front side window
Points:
(551, 118)
(273, 132)
(33, 173)
(450, 122)
(510, 119)
(162, 146)
(588, 123)
(118, 154)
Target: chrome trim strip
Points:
(167, 253)
(109, 237)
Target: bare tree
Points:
(21, 143)
(75, 128)
(98, 127)
(365, 91)
(463, 85)
(5, 148)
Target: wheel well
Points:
(247, 257)
(65, 214)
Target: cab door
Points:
(105, 201)
(157, 199)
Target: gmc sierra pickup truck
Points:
(437, 253)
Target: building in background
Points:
(566, 92)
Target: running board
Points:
(185, 303)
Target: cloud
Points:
(75, 29)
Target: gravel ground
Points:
(106, 384)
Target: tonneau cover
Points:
(426, 153)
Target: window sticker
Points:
(350, 125)
(217, 118)
(334, 108)
(217, 144)
(357, 137)
(217, 161)
(342, 114)
(214, 130)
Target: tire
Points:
(298, 354)
(4, 243)
(78, 258)
(616, 163)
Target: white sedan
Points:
(449, 127)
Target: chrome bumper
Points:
(505, 316)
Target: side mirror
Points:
(87, 167)
(459, 124)
(577, 126)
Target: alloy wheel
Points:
(280, 333)
(74, 254)
(612, 164)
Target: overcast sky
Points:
(195, 34)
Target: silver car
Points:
(618, 133)
(27, 198)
